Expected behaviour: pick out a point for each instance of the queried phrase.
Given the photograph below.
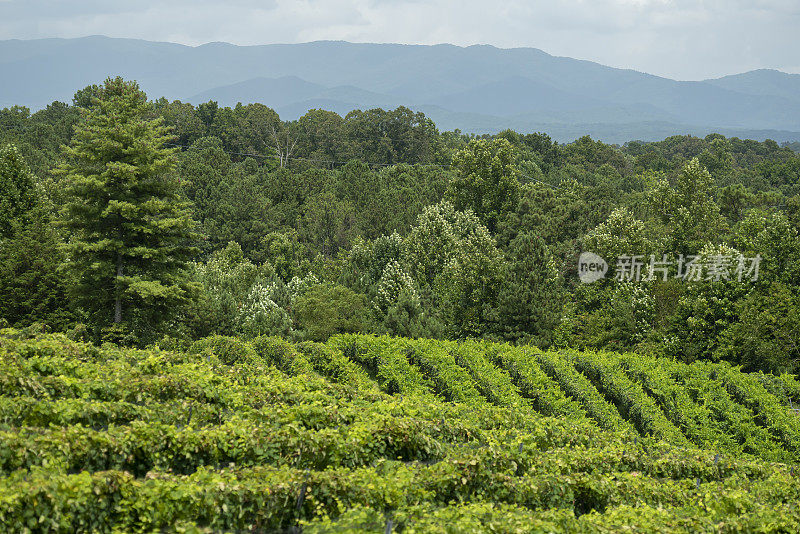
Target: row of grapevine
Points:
(561, 369)
(267, 498)
(534, 384)
(451, 381)
(493, 383)
(269, 436)
(694, 419)
(385, 361)
(629, 398)
(332, 364)
(746, 390)
(737, 421)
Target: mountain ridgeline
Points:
(479, 89)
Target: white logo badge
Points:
(591, 267)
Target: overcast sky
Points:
(683, 39)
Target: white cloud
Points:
(687, 39)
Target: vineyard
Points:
(382, 434)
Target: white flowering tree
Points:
(455, 262)
(226, 280)
(367, 260)
(633, 313)
(298, 286)
(260, 315)
(394, 284)
(241, 298)
(622, 234)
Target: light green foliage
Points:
(229, 350)
(545, 395)
(249, 436)
(622, 234)
(695, 419)
(280, 353)
(560, 369)
(325, 310)
(432, 241)
(494, 384)
(688, 208)
(485, 180)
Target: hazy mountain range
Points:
(476, 89)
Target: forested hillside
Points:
(366, 434)
(166, 222)
(213, 319)
(477, 88)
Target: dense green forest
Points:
(146, 221)
(215, 320)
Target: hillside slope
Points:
(376, 434)
(474, 88)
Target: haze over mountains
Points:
(479, 89)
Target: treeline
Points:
(164, 222)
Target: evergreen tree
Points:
(130, 230)
(31, 287)
(531, 298)
(17, 196)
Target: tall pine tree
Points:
(131, 232)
